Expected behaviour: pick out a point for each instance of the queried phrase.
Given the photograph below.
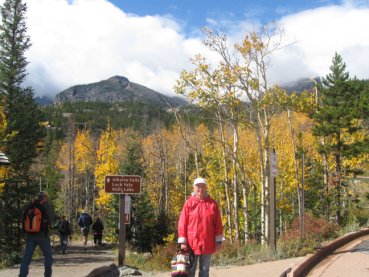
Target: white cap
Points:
(199, 181)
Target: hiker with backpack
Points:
(85, 221)
(97, 231)
(200, 228)
(37, 218)
(65, 232)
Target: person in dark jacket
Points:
(42, 239)
(85, 221)
(97, 231)
(65, 232)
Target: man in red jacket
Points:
(200, 227)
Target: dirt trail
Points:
(78, 263)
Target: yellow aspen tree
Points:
(288, 163)
(284, 102)
(251, 182)
(183, 182)
(159, 166)
(106, 164)
(85, 157)
(214, 159)
(240, 74)
(215, 89)
(67, 165)
(151, 168)
(180, 169)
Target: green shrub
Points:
(316, 231)
(10, 259)
(159, 261)
(240, 254)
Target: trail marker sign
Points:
(127, 209)
(123, 184)
(273, 165)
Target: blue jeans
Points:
(204, 265)
(63, 242)
(31, 243)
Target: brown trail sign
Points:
(123, 184)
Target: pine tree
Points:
(23, 130)
(337, 119)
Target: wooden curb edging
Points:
(303, 268)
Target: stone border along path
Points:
(312, 260)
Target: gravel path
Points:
(78, 263)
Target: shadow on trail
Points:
(76, 255)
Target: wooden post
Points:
(122, 231)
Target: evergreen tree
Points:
(144, 231)
(140, 233)
(336, 119)
(23, 130)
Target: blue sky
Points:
(196, 14)
(151, 41)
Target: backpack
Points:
(34, 218)
(63, 228)
(181, 263)
(85, 220)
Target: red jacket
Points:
(200, 225)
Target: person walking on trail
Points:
(65, 232)
(97, 231)
(37, 218)
(85, 221)
(200, 227)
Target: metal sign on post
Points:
(127, 209)
(273, 165)
(123, 184)
(4, 159)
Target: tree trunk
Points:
(226, 179)
(297, 179)
(235, 182)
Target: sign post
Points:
(122, 232)
(123, 184)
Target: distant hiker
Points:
(97, 231)
(65, 232)
(85, 221)
(37, 218)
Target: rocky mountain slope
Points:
(116, 89)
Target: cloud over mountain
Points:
(84, 41)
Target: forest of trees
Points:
(320, 136)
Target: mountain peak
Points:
(116, 89)
(119, 80)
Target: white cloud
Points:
(86, 41)
(83, 41)
(319, 33)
